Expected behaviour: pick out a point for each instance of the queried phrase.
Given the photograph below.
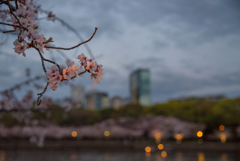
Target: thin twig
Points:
(78, 74)
(16, 4)
(14, 25)
(73, 30)
(41, 94)
(8, 31)
(44, 59)
(76, 45)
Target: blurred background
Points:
(170, 89)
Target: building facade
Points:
(96, 100)
(140, 87)
(116, 102)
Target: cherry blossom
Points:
(21, 15)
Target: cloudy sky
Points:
(191, 47)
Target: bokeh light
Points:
(148, 149)
(74, 134)
(221, 127)
(106, 133)
(199, 134)
(178, 138)
(164, 154)
(160, 146)
(157, 137)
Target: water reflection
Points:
(201, 157)
(179, 156)
(73, 156)
(2, 155)
(224, 157)
(158, 157)
(106, 156)
(127, 155)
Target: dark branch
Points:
(76, 45)
(41, 94)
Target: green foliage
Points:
(78, 117)
(227, 112)
(108, 113)
(7, 120)
(131, 110)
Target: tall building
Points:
(140, 87)
(96, 100)
(78, 95)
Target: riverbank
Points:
(120, 145)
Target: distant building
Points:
(116, 102)
(78, 95)
(140, 87)
(96, 100)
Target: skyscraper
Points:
(140, 87)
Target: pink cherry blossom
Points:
(20, 49)
(92, 66)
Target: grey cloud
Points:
(175, 85)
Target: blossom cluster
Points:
(71, 71)
(92, 67)
(26, 14)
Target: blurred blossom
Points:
(33, 139)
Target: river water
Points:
(96, 155)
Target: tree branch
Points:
(41, 94)
(14, 25)
(76, 45)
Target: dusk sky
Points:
(192, 48)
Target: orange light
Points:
(221, 127)
(164, 154)
(199, 134)
(74, 134)
(148, 149)
(178, 136)
(106, 133)
(160, 146)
